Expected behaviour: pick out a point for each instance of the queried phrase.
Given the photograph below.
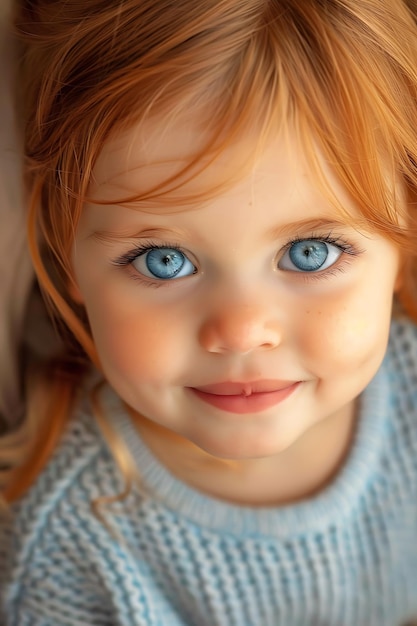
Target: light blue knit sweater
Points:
(348, 557)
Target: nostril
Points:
(242, 343)
(267, 345)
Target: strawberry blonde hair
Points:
(342, 73)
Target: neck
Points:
(297, 473)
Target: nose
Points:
(240, 329)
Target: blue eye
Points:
(163, 263)
(309, 255)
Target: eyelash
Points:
(345, 246)
(126, 259)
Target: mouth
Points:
(242, 398)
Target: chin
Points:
(244, 450)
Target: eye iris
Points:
(308, 256)
(164, 262)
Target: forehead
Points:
(169, 166)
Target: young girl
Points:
(221, 214)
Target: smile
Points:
(244, 398)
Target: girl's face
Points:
(239, 323)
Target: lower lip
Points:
(255, 403)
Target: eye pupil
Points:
(308, 256)
(164, 263)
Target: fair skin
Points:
(241, 310)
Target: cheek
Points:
(348, 331)
(146, 344)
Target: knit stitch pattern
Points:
(175, 557)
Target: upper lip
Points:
(245, 389)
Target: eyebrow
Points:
(110, 236)
(281, 231)
(311, 225)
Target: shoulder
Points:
(401, 379)
(77, 457)
(53, 533)
(81, 470)
(403, 340)
(401, 359)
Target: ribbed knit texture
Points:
(347, 557)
